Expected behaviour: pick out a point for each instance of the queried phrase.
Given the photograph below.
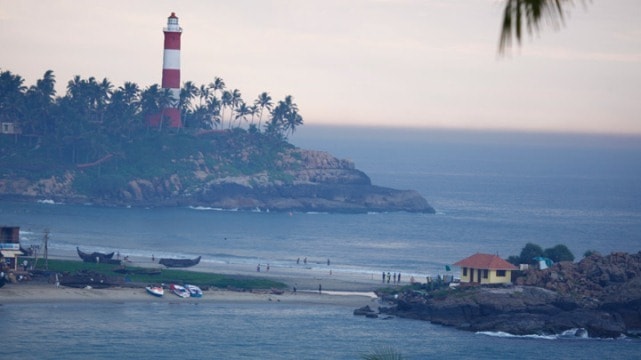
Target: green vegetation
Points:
(167, 276)
(530, 251)
(103, 134)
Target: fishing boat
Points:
(168, 262)
(179, 290)
(194, 291)
(155, 290)
(97, 257)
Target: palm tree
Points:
(214, 105)
(40, 102)
(530, 13)
(217, 85)
(203, 94)
(264, 101)
(242, 111)
(226, 101)
(236, 100)
(187, 93)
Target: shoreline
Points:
(45, 293)
(338, 287)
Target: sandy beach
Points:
(338, 288)
(31, 293)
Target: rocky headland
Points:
(299, 180)
(600, 295)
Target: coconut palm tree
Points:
(187, 93)
(214, 106)
(236, 100)
(217, 85)
(226, 101)
(518, 14)
(242, 111)
(264, 101)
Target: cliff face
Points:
(601, 294)
(301, 180)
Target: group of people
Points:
(389, 277)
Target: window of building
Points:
(500, 273)
(485, 274)
(464, 271)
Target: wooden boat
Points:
(179, 262)
(97, 257)
(179, 291)
(157, 291)
(194, 291)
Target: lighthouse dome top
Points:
(172, 23)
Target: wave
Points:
(574, 333)
(48, 201)
(579, 333)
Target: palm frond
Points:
(387, 353)
(531, 13)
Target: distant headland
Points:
(98, 145)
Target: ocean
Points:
(493, 193)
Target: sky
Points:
(400, 63)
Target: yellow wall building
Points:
(485, 269)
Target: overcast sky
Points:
(425, 63)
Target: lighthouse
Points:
(171, 70)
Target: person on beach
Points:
(327, 262)
(297, 261)
(267, 267)
(258, 268)
(305, 260)
(153, 258)
(320, 289)
(383, 277)
(399, 278)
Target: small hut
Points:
(485, 269)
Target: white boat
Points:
(155, 290)
(194, 291)
(179, 290)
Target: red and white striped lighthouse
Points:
(171, 68)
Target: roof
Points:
(11, 253)
(485, 261)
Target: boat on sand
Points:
(168, 262)
(179, 290)
(157, 291)
(194, 291)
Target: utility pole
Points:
(46, 240)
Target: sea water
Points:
(493, 193)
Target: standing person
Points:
(388, 277)
(383, 277)
(267, 267)
(258, 268)
(399, 278)
(394, 278)
(327, 262)
(297, 261)
(153, 258)
(320, 288)
(305, 260)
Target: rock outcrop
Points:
(601, 294)
(300, 180)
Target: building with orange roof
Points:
(485, 269)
